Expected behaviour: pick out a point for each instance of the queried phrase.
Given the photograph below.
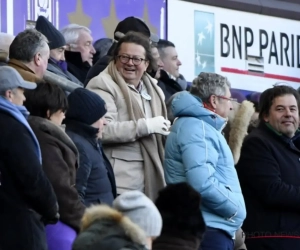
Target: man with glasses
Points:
(196, 152)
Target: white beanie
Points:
(141, 211)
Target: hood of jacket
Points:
(103, 227)
(186, 105)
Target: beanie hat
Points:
(85, 106)
(134, 24)
(55, 38)
(141, 210)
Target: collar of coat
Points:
(50, 128)
(25, 72)
(280, 135)
(75, 58)
(82, 129)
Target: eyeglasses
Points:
(227, 98)
(135, 60)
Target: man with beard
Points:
(269, 173)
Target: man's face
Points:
(41, 61)
(160, 64)
(171, 61)
(222, 104)
(17, 97)
(85, 47)
(284, 115)
(100, 125)
(58, 54)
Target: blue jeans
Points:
(216, 239)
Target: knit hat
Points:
(134, 24)
(85, 106)
(55, 38)
(141, 210)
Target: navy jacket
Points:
(269, 173)
(95, 179)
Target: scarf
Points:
(20, 113)
(153, 155)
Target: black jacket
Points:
(101, 64)
(95, 179)
(269, 173)
(168, 85)
(75, 65)
(26, 194)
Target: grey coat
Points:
(52, 67)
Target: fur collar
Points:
(239, 128)
(102, 212)
(50, 128)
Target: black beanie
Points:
(85, 106)
(55, 38)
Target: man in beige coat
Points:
(136, 115)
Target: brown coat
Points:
(25, 72)
(122, 135)
(59, 158)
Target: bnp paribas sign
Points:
(253, 50)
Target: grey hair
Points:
(3, 92)
(207, 84)
(5, 41)
(71, 32)
(27, 44)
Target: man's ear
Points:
(37, 59)
(213, 101)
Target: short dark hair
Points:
(46, 96)
(27, 44)
(268, 96)
(139, 39)
(162, 44)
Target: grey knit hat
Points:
(141, 210)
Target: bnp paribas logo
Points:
(204, 36)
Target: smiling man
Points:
(269, 173)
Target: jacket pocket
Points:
(127, 155)
(128, 168)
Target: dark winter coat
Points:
(100, 65)
(26, 194)
(168, 85)
(95, 180)
(269, 173)
(75, 65)
(60, 163)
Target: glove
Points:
(158, 125)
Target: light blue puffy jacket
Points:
(196, 152)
